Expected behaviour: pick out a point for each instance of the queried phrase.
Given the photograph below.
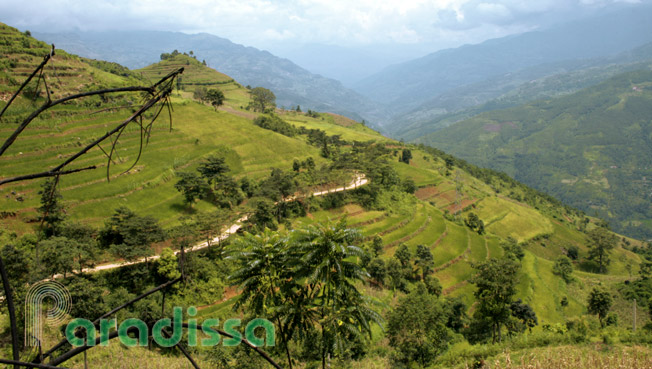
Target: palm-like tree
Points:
(304, 280)
(330, 268)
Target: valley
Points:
(500, 238)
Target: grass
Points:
(353, 132)
(416, 222)
(537, 280)
(249, 150)
(432, 232)
(596, 356)
(452, 246)
(509, 219)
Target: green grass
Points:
(509, 219)
(452, 246)
(148, 188)
(432, 232)
(416, 222)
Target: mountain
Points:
(292, 84)
(414, 213)
(512, 89)
(408, 85)
(347, 64)
(592, 149)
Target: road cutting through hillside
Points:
(360, 180)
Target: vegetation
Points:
(589, 149)
(383, 274)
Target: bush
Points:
(276, 124)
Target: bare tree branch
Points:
(10, 140)
(17, 363)
(39, 68)
(12, 313)
(45, 174)
(108, 314)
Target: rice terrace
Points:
(388, 185)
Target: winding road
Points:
(360, 180)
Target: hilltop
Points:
(292, 84)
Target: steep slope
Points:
(512, 89)
(406, 86)
(446, 190)
(591, 149)
(292, 84)
(197, 131)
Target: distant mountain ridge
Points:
(292, 84)
(407, 86)
(591, 149)
(512, 89)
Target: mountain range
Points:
(292, 84)
(411, 87)
(591, 149)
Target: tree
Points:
(396, 274)
(424, 260)
(192, 186)
(599, 303)
(377, 271)
(405, 157)
(495, 280)
(474, 223)
(87, 251)
(377, 245)
(403, 255)
(416, 328)
(215, 97)
(263, 216)
(303, 281)
(409, 186)
(213, 169)
(262, 98)
(512, 249)
(329, 264)
(564, 268)
(51, 209)
(130, 236)
(432, 285)
(60, 254)
(200, 94)
(524, 315)
(573, 252)
(601, 242)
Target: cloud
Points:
(343, 22)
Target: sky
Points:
(424, 24)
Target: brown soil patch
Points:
(426, 193)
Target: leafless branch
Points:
(45, 174)
(37, 70)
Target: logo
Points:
(49, 302)
(51, 296)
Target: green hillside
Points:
(250, 151)
(419, 231)
(592, 149)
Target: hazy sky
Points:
(260, 23)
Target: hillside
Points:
(292, 84)
(408, 85)
(415, 212)
(515, 88)
(591, 149)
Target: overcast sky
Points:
(434, 24)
